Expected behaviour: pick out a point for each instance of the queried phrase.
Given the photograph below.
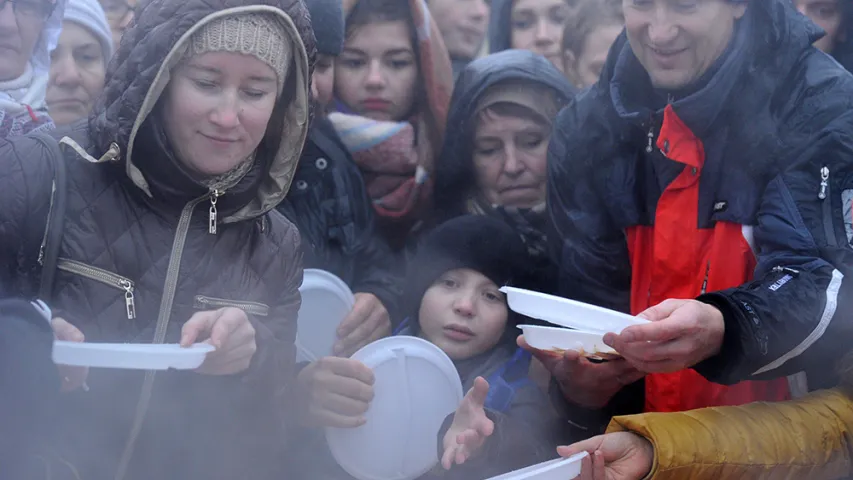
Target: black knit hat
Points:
(327, 19)
(478, 242)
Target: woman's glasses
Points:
(33, 9)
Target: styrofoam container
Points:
(568, 313)
(416, 388)
(326, 301)
(130, 356)
(558, 340)
(557, 469)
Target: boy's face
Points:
(463, 313)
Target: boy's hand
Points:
(336, 391)
(470, 428)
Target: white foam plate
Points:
(558, 469)
(557, 339)
(130, 356)
(416, 388)
(568, 313)
(326, 301)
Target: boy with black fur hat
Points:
(453, 300)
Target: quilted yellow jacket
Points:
(810, 438)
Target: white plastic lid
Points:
(131, 356)
(558, 469)
(417, 387)
(568, 313)
(326, 301)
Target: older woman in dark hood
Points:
(494, 156)
(169, 237)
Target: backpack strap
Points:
(49, 252)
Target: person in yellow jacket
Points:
(810, 438)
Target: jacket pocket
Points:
(105, 277)
(252, 308)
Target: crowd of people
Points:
(170, 168)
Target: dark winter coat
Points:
(455, 175)
(137, 231)
(329, 204)
(664, 194)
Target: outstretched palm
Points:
(470, 428)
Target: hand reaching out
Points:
(614, 456)
(470, 428)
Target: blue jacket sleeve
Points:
(590, 251)
(795, 316)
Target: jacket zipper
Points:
(214, 197)
(47, 227)
(251, 308)
(651, 136)
(169, 290)
(105, 277)
(826, 205)
(707, 274)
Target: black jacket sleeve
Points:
(377, 269)
(590, 251)
(795, 316)
(25, 185)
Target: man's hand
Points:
(470, 428)
(72, 377)
(681, 334)
(614, 456)
(367, 322)
(336, 392)
(584, 383)
(230, 332)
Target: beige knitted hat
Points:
(257, 34)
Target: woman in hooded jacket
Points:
(30, 31)
(493, 160)
(835, 17)
(393, 82)
(535, 25)
(169, 237)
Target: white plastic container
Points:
(326, 301)
(416, 388)
(558, 469)
(558, 340)
(568, 313)
(130, 356)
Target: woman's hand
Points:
(336, 392)
(613, 456)
(367, 322)
(230, 332)
(470, 428)
(72, 377)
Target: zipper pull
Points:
(214, 196)
(788, 270)
(824, 182)
(705, 282)
(129, 302)
(650, 147)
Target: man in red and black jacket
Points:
(668, 196)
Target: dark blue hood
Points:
(500, 30)
(770, 38)
(454, 173)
